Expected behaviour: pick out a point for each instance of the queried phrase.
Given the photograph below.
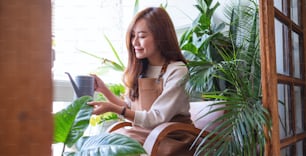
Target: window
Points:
(291, 76)
(79, 25)
(283, 73)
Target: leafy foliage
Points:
(226, 67)
(98, 119)
(201, 44)
(70, 123)
(107, 144)
(118, 90)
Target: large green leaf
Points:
(71, 122)
(107, 144)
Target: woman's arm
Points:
(114, 104)
(103, 107)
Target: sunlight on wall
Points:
(81, 25)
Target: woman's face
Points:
(143, 42)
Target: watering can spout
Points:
(74, 85)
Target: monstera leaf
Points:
(109, 144)
(71, 122)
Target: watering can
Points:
(83, 85)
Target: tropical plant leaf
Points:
(112, 64)
(71, 122)
(106, 63)
(90, 54)
(200, 45)
(108, 144)
(233, 61)
(117, 89)
(164, 6)
(115, 53)
(136, 7)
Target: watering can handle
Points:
(75, 87)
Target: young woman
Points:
(154, 79)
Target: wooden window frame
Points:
(270, 78)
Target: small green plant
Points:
(100, 119)
(118, 90)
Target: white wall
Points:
(79, 24)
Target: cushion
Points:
(199, 109)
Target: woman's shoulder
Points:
(177, 65)
(178, 68)
(176, 72)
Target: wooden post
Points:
(268, 72)
(25, 78)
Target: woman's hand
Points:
(100, 107)
(111, 97)
(99, 85)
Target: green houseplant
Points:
(100, 123)
(200, 44)
(70, 125)
(225, 66)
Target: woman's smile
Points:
(138, 49)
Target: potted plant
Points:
(224, 66)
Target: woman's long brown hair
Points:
(162, 28)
